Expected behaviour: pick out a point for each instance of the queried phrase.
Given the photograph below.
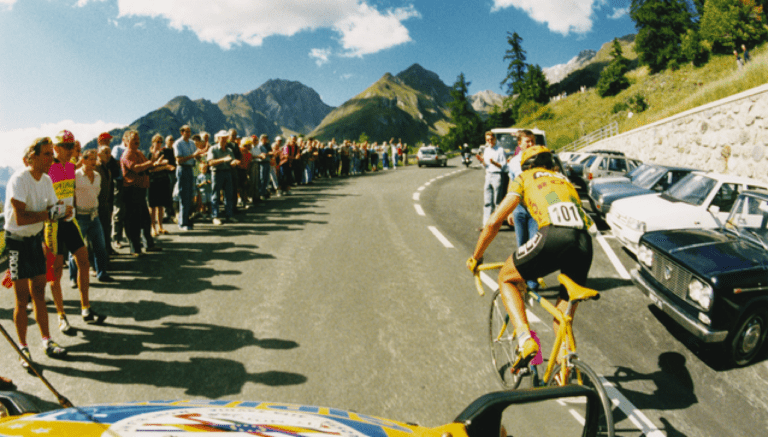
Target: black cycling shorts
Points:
(26, 259)
(555, 248)
(68, 237)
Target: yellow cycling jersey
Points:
(550, 198)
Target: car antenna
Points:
(64, 402)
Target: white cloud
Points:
(320, 55)
(367, 30)
(13, 143)
(618, 13)
(561, 16)
(7, 4)
(362, 28)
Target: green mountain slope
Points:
(411, 106)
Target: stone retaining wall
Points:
(726, 136)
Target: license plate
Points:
(656, 301)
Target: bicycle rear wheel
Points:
(590, 379)
(503, 343)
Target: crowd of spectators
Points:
(83, 206)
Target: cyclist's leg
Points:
(512, 289)
(575, 263)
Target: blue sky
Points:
(92, 65)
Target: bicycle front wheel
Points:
(503, 342)
(590, 379)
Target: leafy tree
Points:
(694, 49)
(517, 67)
(468, 127)
(613, 78)
(727, 24)
(500, 116)
(363, 138)
(660, 25)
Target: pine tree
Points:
(660, 25)
(727, 24)
(613, 78)
(517, 67)
(468, 127)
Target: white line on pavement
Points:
(419, 211)
(636, 416)
(421, 188)
(493, 284)
(614, 259)
(416, 196)
(440, 237)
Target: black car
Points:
(714, 282)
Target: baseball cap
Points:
(64, 137)
(104, 136)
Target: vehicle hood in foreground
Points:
(180, 417)
(708, 252)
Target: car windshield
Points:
(749, 217)
(649, 177)
(692, 189)
(428, 151)
(637, 171)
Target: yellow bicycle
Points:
(563, 366)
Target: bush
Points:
(637, 103)
(620, 106)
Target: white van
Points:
(507, 138)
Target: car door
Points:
(724, 198)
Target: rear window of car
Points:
(428, 152)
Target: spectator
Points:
(160, 188)
(739, 62)
(221, 159)
(747, 58)
(64, 236)
(525, 226)
(118, 214)
(170, 211)
(136, 168)
(87, 188)
(204, 190)
(244, 190)
(186, 152)
(374, 156)
(234, 147)
(495, 163)
(109, 169)
(28, 202)
(261, 155)
(384, 155)
(394, 153)
(287, 155)
(274, 163)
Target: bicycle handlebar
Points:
(480, 268)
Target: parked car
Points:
(650, 178)
(606, 165)
(575, 168)
(699, 200)
(714, 282)
(431, 155)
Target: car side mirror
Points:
(714, 209)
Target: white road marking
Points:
(440, 237)
(419, 211)
(613, 258)
(636, 416)
(416, 196)
(578, 417)
(421, 188)
(493, 284)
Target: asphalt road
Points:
(352, 293)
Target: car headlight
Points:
(700, 293)
(645, 255)
(635, 224)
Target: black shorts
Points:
(68, 237)
(26, 259)
(554, 248)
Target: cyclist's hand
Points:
(472, 264)
(593, 230)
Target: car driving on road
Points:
(431, 155)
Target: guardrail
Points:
(602, 133)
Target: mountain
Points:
(277, 107)
(588, 74)
(411, 106)
(558, 72)
(484, 101)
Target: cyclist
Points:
(562, 242)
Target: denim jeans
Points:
(186, 177)
(491, 194)
(525, 228)
(222, 180)
(92, 231)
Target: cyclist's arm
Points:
(495, 222)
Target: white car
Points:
(699, 200)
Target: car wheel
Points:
(746, 341)
(445, 163)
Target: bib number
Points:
(565, 214)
